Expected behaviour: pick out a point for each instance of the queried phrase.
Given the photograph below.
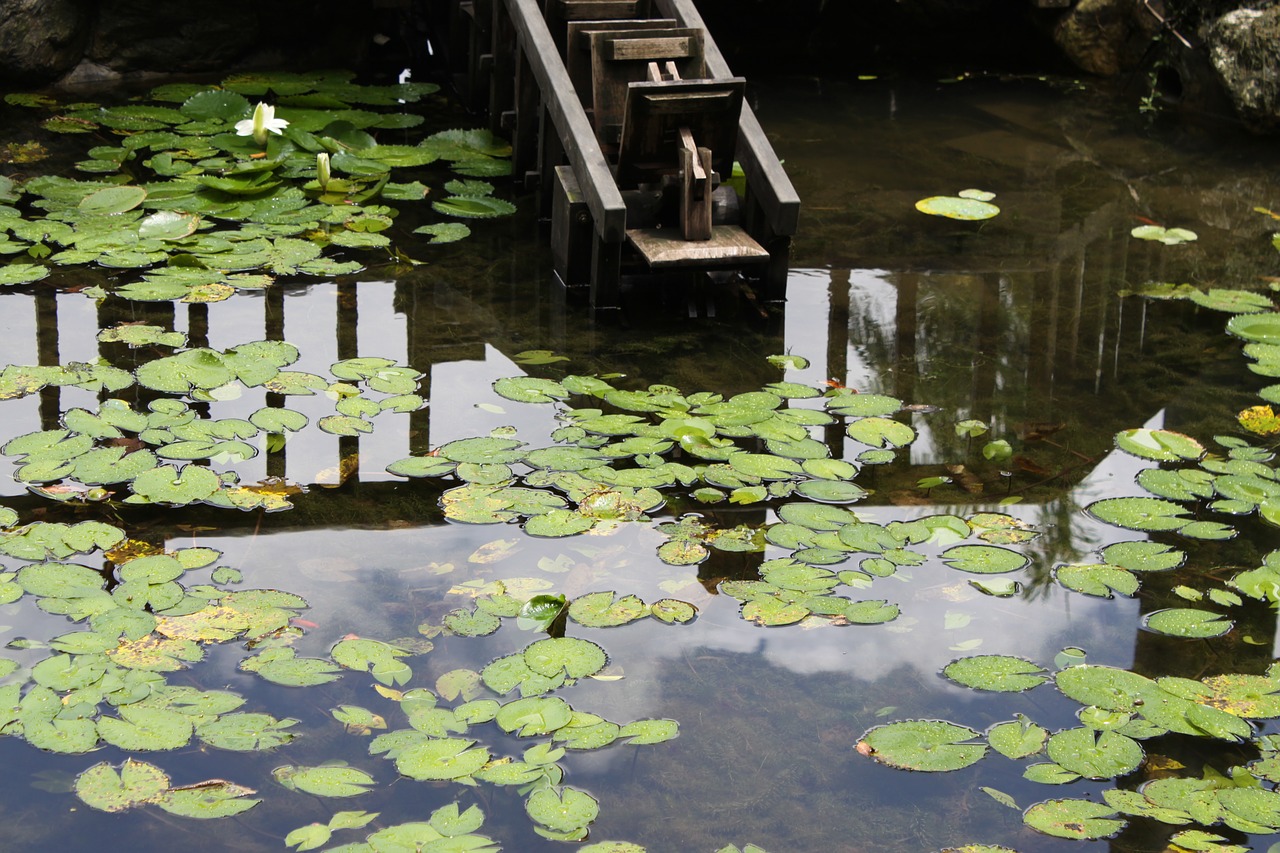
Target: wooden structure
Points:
(623, 115)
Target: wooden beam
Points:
(608, 210)
(765, 175)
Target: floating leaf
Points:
(136, 783)
(932, 745)
(1093, 754)
(1140, 513)
(1187, 622)
(566, 810)
(1000, 673)
(1159, 444)
(1168, 236)
(324, 781)
(1077, 819)
(956, 207)
(473, 207)
(984, 559)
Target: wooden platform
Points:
(664, 248)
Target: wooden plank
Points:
(729, 246)
(657, 112)
(597, 10)
(631, 49)
(577, 56)
(608, 210)
(609, 77)
(766, 177)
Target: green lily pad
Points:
(1187, 622)
(1096, 579)
(110, 200)
(246, 732)
(930, 745)
(444, 232)
(136, 783)
(1017, 739)
(1140, 513)
(1001, 673)
(1232, 301)
(1076, 819)
(1093, 754)
(442, 758)
(956, 207)
(530, 389)
(324, 781)
(1260, 328)
(575, 657)
(864, 405)
(473, 207)
(531, 716)
(881, 432)
(566, 810)
(1168, 236)
(12, 274)
(166, 484)
(1143, 556)
(1161, 445)
(601, 610)
(984, 559)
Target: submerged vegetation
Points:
(216, 196)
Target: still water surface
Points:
(1019, 322)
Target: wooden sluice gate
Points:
(625, 118)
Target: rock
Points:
(1244, 46)
(1106, 37)
(40, 40)
(150, 35)
(88, 76)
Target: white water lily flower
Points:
(264, 119)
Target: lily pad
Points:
(984, 559)
(1188, 622)
(1001, 673)
(1140, 513)
(1161, 445)
(1076, 819)
(956, 207)
(931, 745)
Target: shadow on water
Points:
(1020, 322)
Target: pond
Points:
(378, 526)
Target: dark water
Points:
(1019, 322)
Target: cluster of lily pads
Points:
(194, 192)
(1120, 709)
(106, 684)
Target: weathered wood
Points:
(655, 114)
(566, 115)
(610, 77)
(631, 49)
(729, 246)
(597, 10)
(765, 176)
(571, 233)
(695, 189)
(577, 54)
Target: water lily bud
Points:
(322, 169)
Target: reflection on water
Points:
(1019, 322)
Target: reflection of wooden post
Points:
(1042, 328)
(410, 300)
(273, 330)
(987, 346)
(47, 353)
(837, 348)
(198, 324)
(905, 318)
(348, 347)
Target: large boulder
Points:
(40, 40)
(1106, 37)
(1244, 46)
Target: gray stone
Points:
(40, 40)
(1244, 46)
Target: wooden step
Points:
(729, 246)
